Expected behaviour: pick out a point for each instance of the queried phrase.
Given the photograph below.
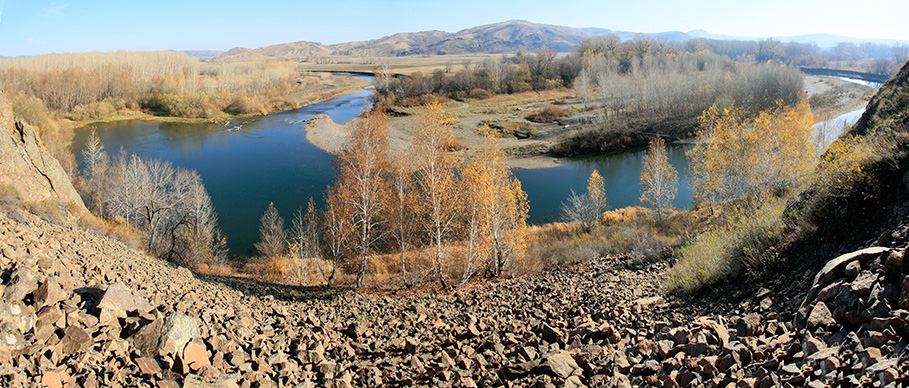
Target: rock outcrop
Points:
(27, 166)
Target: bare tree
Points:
(583, 87)
(272, 235)
(337, 232)
(401, 208)
(659, 180)
(92, 154)
(587, 208)
(305, 236)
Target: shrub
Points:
(747, 243)
(422, 100)
(548, 113)
(479, 94)
(93, 111)
(10, 202)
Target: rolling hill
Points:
(505, 37)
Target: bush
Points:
(747, 243)
(479, 94)
(422, 100)
(183, 105)
(245, 104)
(93, 111)
(548, 113)
(10, 202)
(519, 87)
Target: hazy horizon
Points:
(39, 27)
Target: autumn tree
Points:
(361, 182)
(583, 87)
(749, 159)
(659, 180)
(435, 177)
(497, 209)
(272, 236)
(587, 208)
(401, 208)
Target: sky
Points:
(30, 27)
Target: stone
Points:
(863, 284)
(194, 357)
(551, 335)
(120, 300)
(23, 281)
(853, 269)
(871, 356)
(356, 330)
(559, 364)
(27, 165)
(76, 340)
(877, 309)
(148, 365)
(49, 293)
(51, 379)
(645, 368)
(165, 336)
(646, 303)
(574, 382)
(820, 316)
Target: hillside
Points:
(78, 309)
(505, 37)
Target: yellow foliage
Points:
(622, 215)
(751, 159)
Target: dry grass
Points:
(631, 232)
(509, 101)
(749, 241)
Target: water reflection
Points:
(548, 188)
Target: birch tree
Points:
(435, 176)
(361, 179)
(272, 236)
(659, 180)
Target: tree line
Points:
(92, 85)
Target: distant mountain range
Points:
(505, 37)
(823, 41)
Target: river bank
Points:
(313, 88)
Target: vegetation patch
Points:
(548, 114)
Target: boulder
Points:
(119, 300)
(27, 166)
(166, 336)
(21, 283)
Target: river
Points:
(251, 162)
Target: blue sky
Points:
(29, 27)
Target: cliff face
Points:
(27, 166)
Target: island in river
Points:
(839, 96)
